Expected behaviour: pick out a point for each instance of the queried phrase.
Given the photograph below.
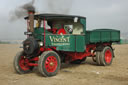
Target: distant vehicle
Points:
(56, 39)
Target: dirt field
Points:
(88, 73)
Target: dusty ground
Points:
(87, 73)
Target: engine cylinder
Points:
(30, 46)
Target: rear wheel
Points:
(20, 63)
(105, 57)
(98, 56)
(49, 63)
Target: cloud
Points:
(58, 6)
(99, 14)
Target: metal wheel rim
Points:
(108, 56)
(51, 64)
(23, 63)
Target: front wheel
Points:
(49, 63)
(20, 63)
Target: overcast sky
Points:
(111, 14)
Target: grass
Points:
(4, 42)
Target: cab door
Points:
(80, 43)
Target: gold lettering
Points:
(51, 39)
(59, 39)
(67, 39)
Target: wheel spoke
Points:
(23, 63)
(51, 64)
(108, 56)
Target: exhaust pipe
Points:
(31, 20)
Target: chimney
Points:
(31, 19)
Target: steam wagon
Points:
(53, 39)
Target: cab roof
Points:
(55, 16)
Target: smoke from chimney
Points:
(59, 6)
(52, 6)
(22, 11)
